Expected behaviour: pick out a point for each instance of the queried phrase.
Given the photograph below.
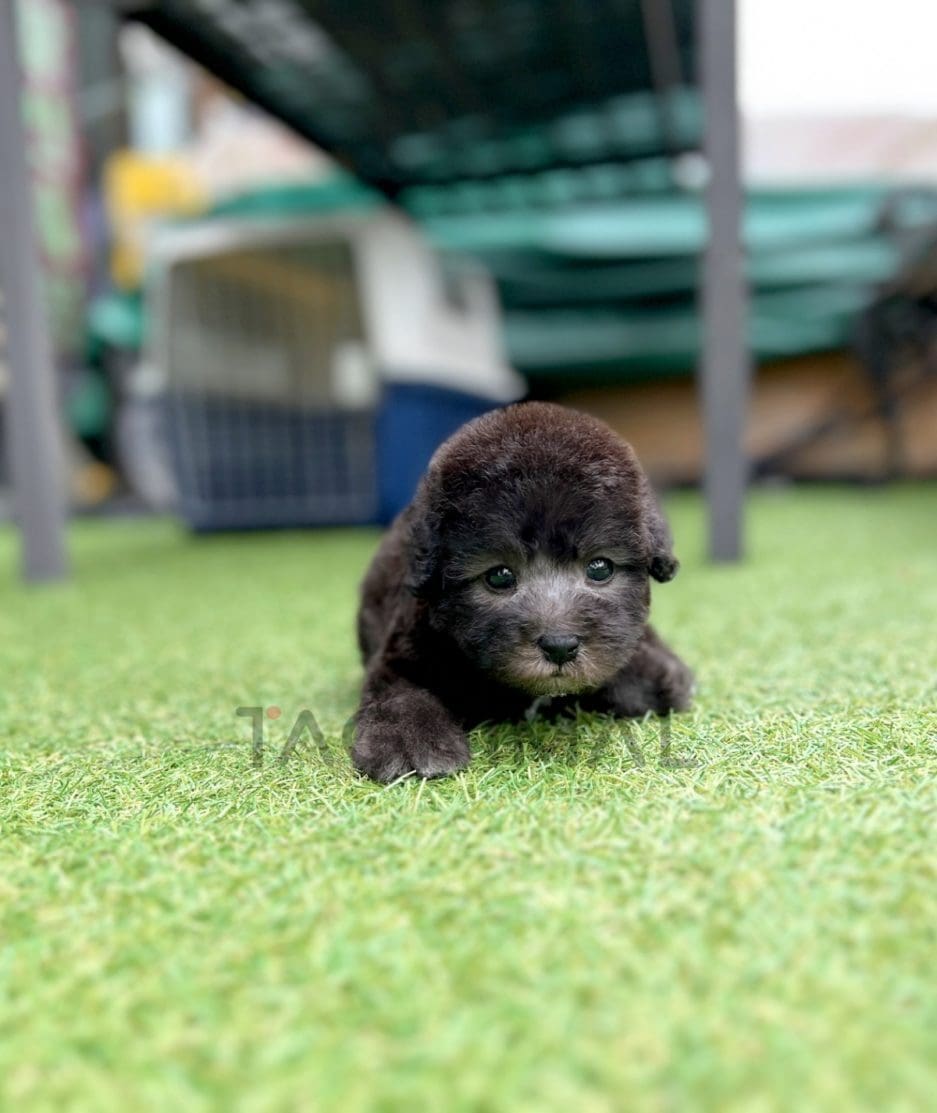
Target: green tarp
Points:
(605, 289)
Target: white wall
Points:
(838, 57)
(839, 90)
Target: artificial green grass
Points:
(748, 924)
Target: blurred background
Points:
(287, 247)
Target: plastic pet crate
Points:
(310, 368)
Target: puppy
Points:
(519, 572)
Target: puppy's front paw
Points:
(383, 753)
(654, 680)
(408, 732)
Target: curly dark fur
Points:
(542, 490)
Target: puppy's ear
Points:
(661, 563)
(424, 565)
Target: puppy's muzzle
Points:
(559, 649)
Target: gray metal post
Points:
(725, 358)
(31, 421)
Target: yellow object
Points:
(139, 189)
(93, 484)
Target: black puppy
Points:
(519, 571)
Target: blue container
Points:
(413, 421)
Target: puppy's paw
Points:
(645, 696)
(659, 693)
(408, 732)
(656, 680)
(384, 754)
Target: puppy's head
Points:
(534, 533)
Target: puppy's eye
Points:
(600, 570)
(500, 578)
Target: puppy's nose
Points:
(559, 648)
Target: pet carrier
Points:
(311, 367)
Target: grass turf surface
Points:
(561, 927)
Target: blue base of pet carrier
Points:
(241, 466)
(413, 421)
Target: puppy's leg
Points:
(402, 728)
(654, 679)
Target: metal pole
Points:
(725, 357)
(32, 426)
